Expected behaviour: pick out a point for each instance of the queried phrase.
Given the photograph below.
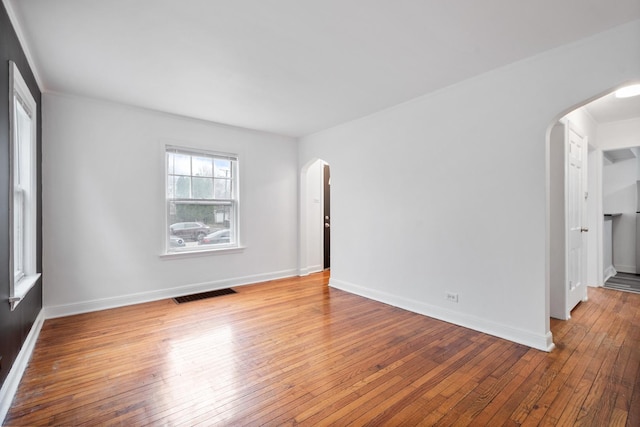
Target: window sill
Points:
(203, 252)
(22, 288)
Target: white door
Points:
(576, 217)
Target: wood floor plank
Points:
(548, 393)
(633, 406)
(297, 352)
(487, 387)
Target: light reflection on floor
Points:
(203, 369)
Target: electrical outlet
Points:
(451, 297)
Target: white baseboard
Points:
(609, 272)
(315, 268)
(540, 342)
(138, 298)
(12, 381)
(303, 272)
(626, 268)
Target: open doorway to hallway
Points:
(326, 206)
(620, 186)
(315, 217)
(610, 125)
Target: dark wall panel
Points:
(14, 325)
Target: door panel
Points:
(327, 216)
(576, 217)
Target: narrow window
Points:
(202, 200)
(23, 204)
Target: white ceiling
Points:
(291, 67)
(611, 109)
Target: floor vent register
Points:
(204, 295)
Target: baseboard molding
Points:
(540, 342)
(631, 269)
(609, 272)
(138, 298)
(12, 381)
(315, 268)
(303, 272)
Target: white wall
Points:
(558, 291)
(619, 196)
(446, 193)
(621, 134)
(585, 123)
(619, 189)
(103, 206)
(595, 214)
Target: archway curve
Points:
(597, 195)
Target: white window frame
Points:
(234, 245)
(23, 200)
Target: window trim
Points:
(173, 252)
(19, 286)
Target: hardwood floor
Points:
(295, 351)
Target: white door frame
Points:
(595, 213)
(557, 221)
(310, 220)
(576, 214)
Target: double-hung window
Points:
(23, 182)
(202, 200)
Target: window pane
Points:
(23, 205)
(222, 223)
(202, 188)
(171, 187)
(194, 181)
(181, 164)
(183, 215)
(170, 163)
(202, 166)
(222, 168)
(22, 146)
(192, 222)
(18, 234)
(183, 187)
(22, 186)
(222, 188)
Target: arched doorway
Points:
(315, 218)
(590, 118)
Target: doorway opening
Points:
(568, 220)
(606, 123)
(326, 207)
(315, 218)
